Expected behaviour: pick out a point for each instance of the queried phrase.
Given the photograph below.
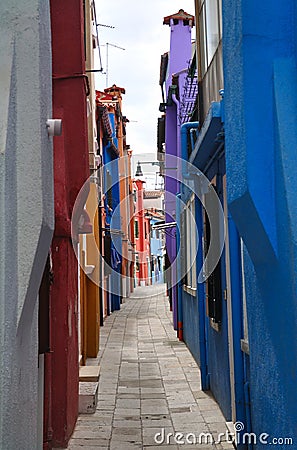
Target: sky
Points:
(140, 31)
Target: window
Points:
(214, 281)
(190, 244)
(210, 21)
(136, 229)
(221, 18)
(109, 188)
(203, 41)
(137, 263)
(212, 27)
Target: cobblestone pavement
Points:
(149, 384)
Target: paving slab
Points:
(149, 384)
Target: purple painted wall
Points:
(179, 57)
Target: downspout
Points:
(201, 303)
(178, 134)
(241, 389)
(175, 299)
(174, 99)
(178, 269)
(248, 411)
(247, 399)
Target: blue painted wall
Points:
(261, 140)
(217, 341)
(191, 324)
(218, 363)
(110, 160)
(208, 346)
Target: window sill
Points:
(190, 290)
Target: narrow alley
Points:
(149, 384)
(148, 244)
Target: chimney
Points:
(180, 53)
(181, 16)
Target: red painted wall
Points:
(71, 169)
(143, 241)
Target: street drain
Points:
(155, 417)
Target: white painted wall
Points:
(26, 209)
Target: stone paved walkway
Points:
(149, 382)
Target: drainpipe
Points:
(174, 99)
(247, 402)
(178, 270)
(178, 128)
(201, 302)
(248, 411)
(236, 317)
(174, 273)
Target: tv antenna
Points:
(108, 44)
(104, 25)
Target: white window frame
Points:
(191, 245)
(209, 38)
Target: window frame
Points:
(206, 52)
(213, 285)
(190, 246)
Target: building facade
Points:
(141, 237)
(157, 246)
(27, 215)
(211, 312)
(259, 60)
(118, 198)
(50, 311)
(173, 65)
(71, 171)
(232, 319)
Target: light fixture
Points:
(138, 170)
(54, 127)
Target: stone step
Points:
(88, 397)
(89, 373)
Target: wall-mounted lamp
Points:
(54, 127)
(138, 170)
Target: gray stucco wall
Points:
(26, 209)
